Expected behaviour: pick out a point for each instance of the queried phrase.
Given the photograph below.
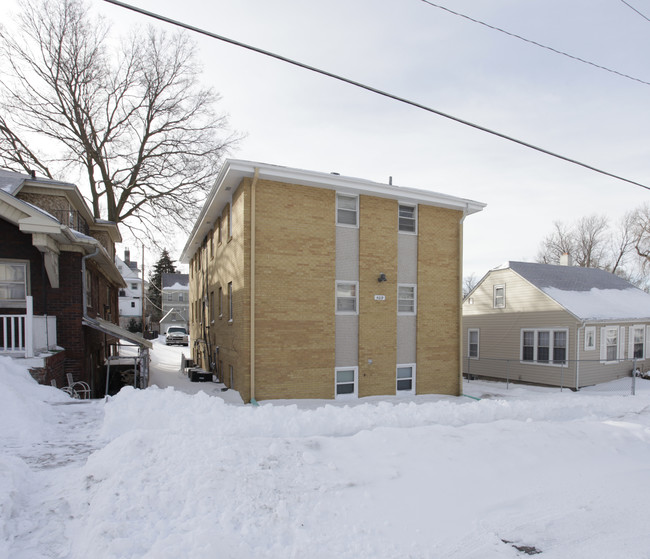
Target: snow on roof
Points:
(587, 293)
(177, 287)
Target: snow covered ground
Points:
(184, 470)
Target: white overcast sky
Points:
(300, 119)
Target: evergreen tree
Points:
(165, 265)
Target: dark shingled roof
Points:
(169, 280)
(568, 278)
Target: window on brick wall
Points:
(406, 299)
(230, 309)
(347, 297)
(406, 379)
(347, 210)
(345, 382)
(220, 303)
(406, 219)
(14, 282)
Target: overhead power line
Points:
(371, 89)
(634, 9)
(556, 51)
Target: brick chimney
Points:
(566, 260)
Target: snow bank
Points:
(190, 476)
(24, 410)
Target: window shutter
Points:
(630, 342)
(621, 342)
(603, 344)
(646, 350)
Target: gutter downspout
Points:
(578, 354)
(460, 292)
(252, 290)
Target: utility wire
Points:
(370, 88)
(634, 9)
(556, 51)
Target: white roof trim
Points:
(234, 170)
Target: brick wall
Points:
(295, 271)
(377, 319)
(439, 300)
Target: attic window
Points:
(499, 296)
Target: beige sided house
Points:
(555, 325)
(315, 285)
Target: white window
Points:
(406, 219)
(347, 210)
(636, 348)
(134, 286)
(170, 296)
(544, 346)
(13, 282)
(472, 343)
(611, 343)
(133, 304)
(406, 299)
(590, 338)
(499, 297)
(405, 379)
(347, 297)
(345, 383)
(180, 296)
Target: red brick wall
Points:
(83, 346)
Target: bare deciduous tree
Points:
(469, 283)
(592, 243)
(135, 120)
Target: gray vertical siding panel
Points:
(406, 336)
(347, 268)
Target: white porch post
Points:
(29, 327)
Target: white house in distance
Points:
(130, 300)
(175, 301)
(555, 325)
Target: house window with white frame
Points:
(220, 302)
(590, 338)
(405, 379)
(13, 282)
(406, 218)
(347, 210)
(347, 297)
(544, 346)
(473, 343)
(637, 342)
(499, 297)
(559, 346)
(345, 382)
(609, 340)
(406, 299)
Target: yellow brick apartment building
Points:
(313, 285)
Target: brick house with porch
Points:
(58, 281)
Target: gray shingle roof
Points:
(587, 293)
(568, 278)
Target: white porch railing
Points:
(24, 333)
